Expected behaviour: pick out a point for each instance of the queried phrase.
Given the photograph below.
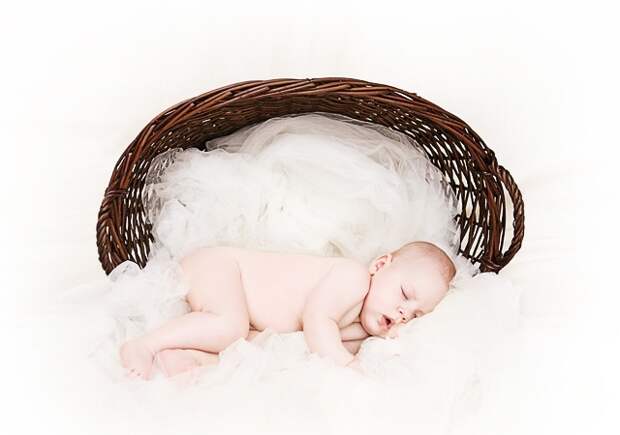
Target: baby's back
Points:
(276, 285)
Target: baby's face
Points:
(400, 290)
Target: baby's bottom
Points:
(218, 317)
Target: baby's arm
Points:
(343, 287)
(353, 346)
(353, 336)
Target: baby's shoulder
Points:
(340, 294)
(351, 271)
(349, 264)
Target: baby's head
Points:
(405, 284)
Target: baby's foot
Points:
(175, 361)
(137, 358)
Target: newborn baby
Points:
(337, 302)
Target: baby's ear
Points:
(372, 268)
(379, 262)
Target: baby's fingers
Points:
(132, 374)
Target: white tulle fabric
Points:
(316, 183)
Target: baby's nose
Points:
(402, 316)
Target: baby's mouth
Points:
(386, 322)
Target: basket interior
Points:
(485, 192)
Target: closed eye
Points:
(403, 291)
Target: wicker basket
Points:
(469, 166)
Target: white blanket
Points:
(469, 367)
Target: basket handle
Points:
(518, 218)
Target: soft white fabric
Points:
(316, 183)
(286, 189)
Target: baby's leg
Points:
(175, 361)
(219, 315)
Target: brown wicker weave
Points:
(469, 166)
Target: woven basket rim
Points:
(123, 235)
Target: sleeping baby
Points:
(337, 302)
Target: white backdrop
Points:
(535, 80)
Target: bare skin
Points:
(237, 293)
(176, 361)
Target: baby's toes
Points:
(136, 357)
(136, 375)
(142, 372)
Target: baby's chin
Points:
(370, 324)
